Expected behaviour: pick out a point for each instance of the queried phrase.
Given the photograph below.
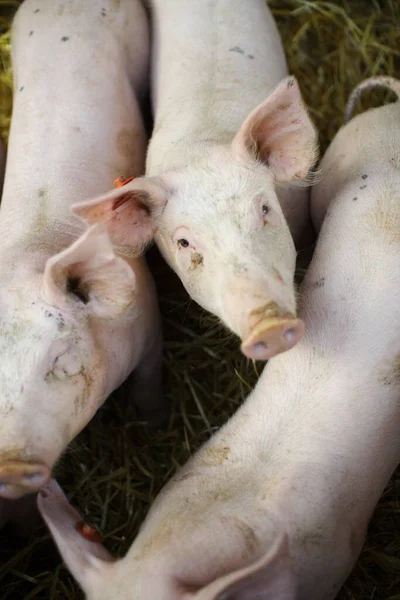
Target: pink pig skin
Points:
(231, 136)
(300, 467)
(76, 318)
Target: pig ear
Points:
(129, 211)
(280, 134)
(270, 578)
(89, 562)
(89, 272)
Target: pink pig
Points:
(76, 318)
(295, 475)
(231, 132)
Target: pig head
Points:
(60, 333)
(219, 224)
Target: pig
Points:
(225, 194)
(76, 318)
(276, 504)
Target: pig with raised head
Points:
(75, 318)
(296, 473)
(231, 136)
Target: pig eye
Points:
(265, 209)
(182, 239)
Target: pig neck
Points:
(210, 72)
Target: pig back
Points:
(79, 69)
(213, 63)
(366, 146)
(96, 23)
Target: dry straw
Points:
(114, 469)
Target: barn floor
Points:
(114, 469)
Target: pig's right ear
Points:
(87, 559)
(130, 211)
(270, 578)
(280, 134)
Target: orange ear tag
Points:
(120, 181)
(88, 532)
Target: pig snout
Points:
(272, 331)
(265, 322)
(18, 478)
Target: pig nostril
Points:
(33, 479)
(257, 351)
(260, 346)
(290, 334)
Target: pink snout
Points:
(18, 478)
(271, 336)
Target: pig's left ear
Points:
(129, 211)
(270, 578)
(87, 559)
(280, 134)
(90, 273)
